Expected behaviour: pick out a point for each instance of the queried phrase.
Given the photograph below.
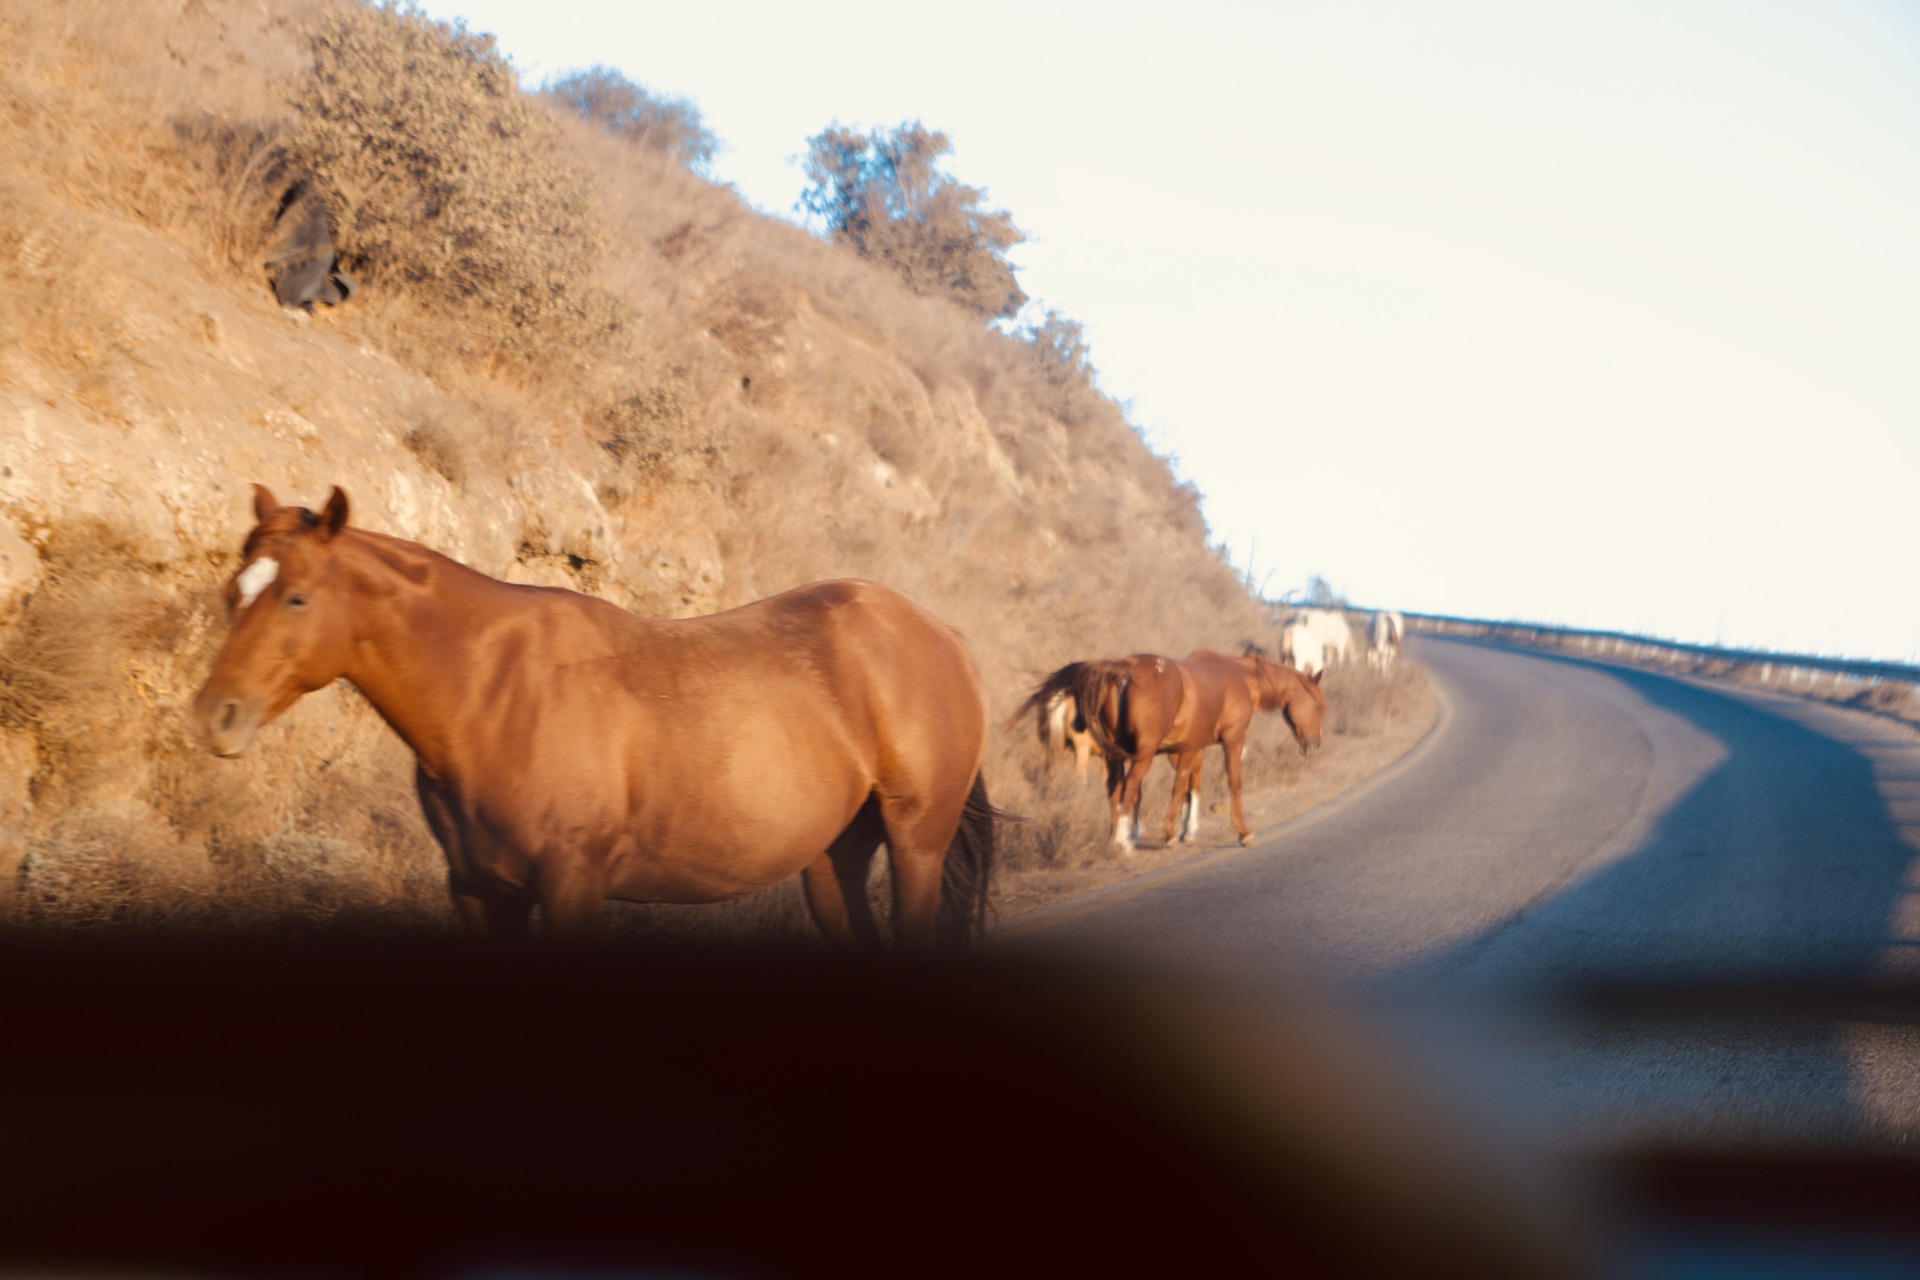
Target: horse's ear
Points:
(334, 518)
(264, 503)
(1315, 677)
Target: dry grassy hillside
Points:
(717, 407)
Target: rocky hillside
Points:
(744, 408)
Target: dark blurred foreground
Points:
(440, 1111)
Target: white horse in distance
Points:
(1301, 647)
(1329, 628)
(1389, 637)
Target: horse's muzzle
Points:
(226, 725)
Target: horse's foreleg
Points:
(489, 917)
(1177, 802)
(1236, 753)
(573, 902)
(494, 917)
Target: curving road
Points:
(1683, 903)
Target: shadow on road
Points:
(1715, 978)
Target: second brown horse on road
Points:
(569, 752)
(1145, 705)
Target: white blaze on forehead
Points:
(255, 578)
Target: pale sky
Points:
(1600, 313)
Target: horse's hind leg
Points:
(1126, 813)
(836, 881)
(919, 831)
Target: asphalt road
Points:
(1617, 906)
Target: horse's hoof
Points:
(1246, 839)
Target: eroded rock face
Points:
(19, 568)
(17, 765)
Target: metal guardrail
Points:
(1626, 645)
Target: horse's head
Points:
(290, 622)
(1296, 696)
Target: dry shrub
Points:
(58, 304)
(91, 874)
(438, 443)
(651, 433)
(71, 666)
(298, 877)
(448, 182)
(1063, 816)
(1363, 701)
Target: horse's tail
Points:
(1101, 689)
(1058, 716)
(1088, 684)
(966, 880)
(1046, 701)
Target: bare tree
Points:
(883, 194)
(627, 110)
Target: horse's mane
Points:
(411, 560)
(1276, 676)
(407, 560)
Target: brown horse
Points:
(569, 752)
(1146, 705)
(1134, 709)
(1248, 684)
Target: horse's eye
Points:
(296, 599)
